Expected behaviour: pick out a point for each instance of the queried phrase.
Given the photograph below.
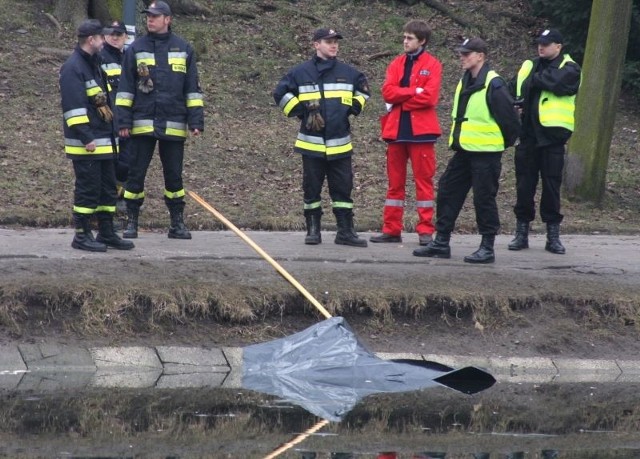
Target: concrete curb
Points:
(51, 367)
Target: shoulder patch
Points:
(425, 72)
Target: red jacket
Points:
(426, 73)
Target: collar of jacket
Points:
(159, 36)
(480, 81)
(90, 58)
(324, 65)
(416, 55)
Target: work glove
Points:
(100, 100)
(315, 122)
(145, 84)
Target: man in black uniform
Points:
(159, 101)
(545, 90)
(323, 92)
(484, 125)
(90, 141)
(111, 56)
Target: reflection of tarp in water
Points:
(326, 370)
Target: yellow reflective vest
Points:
(479, 131)
(554, 111)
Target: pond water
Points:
(518, 421)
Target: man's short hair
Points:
(420, 29)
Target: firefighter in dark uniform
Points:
(111, 56)
(323, 92)
(90, 141)
(545, 89)
(159, 101)
(484, 124)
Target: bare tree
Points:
(597, 100)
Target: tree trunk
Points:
(71, 11)
(597, 100)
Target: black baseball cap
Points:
(157, 8)
(322, 34)
(550, 36)
(115, 27)
(471, 45)
(90, 27)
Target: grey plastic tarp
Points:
(326, 370)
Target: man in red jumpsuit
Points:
(411, 128)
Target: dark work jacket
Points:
(175, 104)
(81, 78)
(111, 63)
(499, 102)
(321, 79)
(547, 75)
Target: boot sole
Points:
(518, 248)
(432, 255)
(386, 240)
(351, 244)
(88, 249)
(555, 251)
(312, 242)
(479, 262)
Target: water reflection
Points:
(507, 421)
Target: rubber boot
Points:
(437, 248)
(521, 239)
(313, 236)
(178, 230)
(553, 239)
(107, 235)
(131, 231)
(83, 239)
(485, 253)
(346, 233)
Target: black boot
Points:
(485, 253)
(131, 231)
(83, 239)
(521, 239)
(437, 248)
(346, 233)
(553, 239)
(178, 230)
(107, 235)
(313, 236)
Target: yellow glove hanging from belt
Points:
(104, 110)
(315, 122)
(145, 84)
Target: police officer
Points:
(90, 141)
(159, 101)
(545, 90)
(484, 125)
(111, 56)
(323, 92)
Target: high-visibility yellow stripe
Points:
(142, 130)
(73, 150)
(84, 210)
(109, 209)
(130, 195)
(83, 119)
(174, 194)
(176, 132)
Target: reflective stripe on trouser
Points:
(479, 171)
(171, 155)
(95, 186)
(339, 177)
(423, 164)
(544, 164)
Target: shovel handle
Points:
(262, 253)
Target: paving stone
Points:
(580, 370)
(234, 356)
(192, 356)
(179, 369)
(111, 377)
(55, 357)
(144, 358)
(53, 381)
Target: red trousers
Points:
(423, 163)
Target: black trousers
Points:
(465, 171)
(533, 164)
(95, 186)
(171, 156)
(122, 161)
(339, 176)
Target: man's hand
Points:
(124, 133)
(195, 132)
(419, 90)
(91, 146)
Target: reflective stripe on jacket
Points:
(341, 90)
(175, 104)
(81, 79)
(554, 111)
(478, 130)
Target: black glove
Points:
(315, 122)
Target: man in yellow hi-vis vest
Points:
(545, 90)
(484, 124)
